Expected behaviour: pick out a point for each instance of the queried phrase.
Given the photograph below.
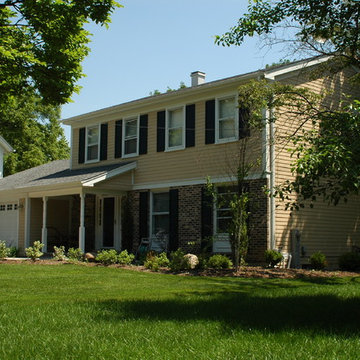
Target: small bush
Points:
(219, 261)
(13, 251)
(75, 254)
(318, 261)
(34, 252)
(59, 253)
(4, 250)
(177, 262)
(107, 257)
(273, 257)
(124, 258)
(203, 261)
(154, 262)
(350, 261)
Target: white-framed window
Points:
(2, 207)
(226, 119)
(160, 213)
(92, 143)
(222, 209)
(131, 136)
(9, 207)
(175, 128)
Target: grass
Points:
(78, 312)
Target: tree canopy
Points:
(326, 155)
(42, 45)
(34, 131)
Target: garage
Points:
(9, 223)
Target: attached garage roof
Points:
(58, 172)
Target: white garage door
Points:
(8, 223)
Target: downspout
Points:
(272, 181)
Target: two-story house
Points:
(138, 170)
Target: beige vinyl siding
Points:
(215, 160)
(330, 229)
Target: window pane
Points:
(223, 225)
(226, 129)
(226, 108)
(160, 224)
(131, 128)
(93, 135)
(130, 146)
(176, 118)
(175, 137)
(161, 202)
(92, 153)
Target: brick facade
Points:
(189, 219)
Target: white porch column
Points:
(27, 222)
(82, 223)
(44, 225)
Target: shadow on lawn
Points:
(323, 313)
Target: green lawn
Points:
(79, 312)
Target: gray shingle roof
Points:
(53, 173)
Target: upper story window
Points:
(92, 143)
(175, 129)
(131, 136)
(226, 119)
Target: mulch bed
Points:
(245, 272)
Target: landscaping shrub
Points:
(203, 261)
(34, 252)
(107, 257)
(59, 253)
(219, 261)
(75, 254)
(273, 257)
(4, 250)
(13, 251)
(350, 261)
(154, 262)
(124, 258)
(178, 262)
(318, 261)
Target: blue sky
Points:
(155, 44)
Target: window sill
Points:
(225, 141)
(175, 149)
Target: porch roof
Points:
(58, 173)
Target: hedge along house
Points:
(138, 170)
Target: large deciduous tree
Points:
(326, 154)
(42, 45)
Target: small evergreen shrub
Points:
(34, 252)
(203, 262)
(178, 262)
(273, 257)
(219, 261)
(107, 257)
(349, 261)
(4, 250)
(124, 258)
(75, 254)
(154, 262)
(13, 251)
(59, 253)
(318, 261)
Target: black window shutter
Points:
(143, 134)
(160, 131)
(244, 125)
(210, 122)
(103, 141)
(190, 125)
(118, 138)
(143, 215)
(81, 158)
(174, 219)
(206, 217)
